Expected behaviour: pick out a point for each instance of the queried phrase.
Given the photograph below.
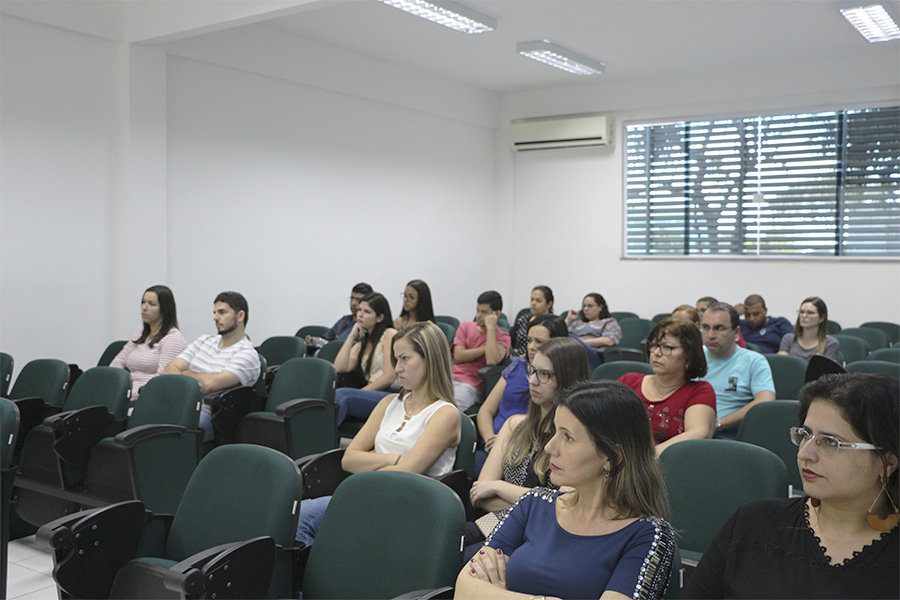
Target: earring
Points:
(606, 477)
(890, 521)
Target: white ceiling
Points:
(636, 39)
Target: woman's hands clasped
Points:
(489, 565)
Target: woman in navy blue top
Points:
(606, 539)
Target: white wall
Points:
(567, 204)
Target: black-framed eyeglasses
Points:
(542, 375)
(828, 444)
(718, 328)
(408, 297)
(664, 349)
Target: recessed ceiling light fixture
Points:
(447, 13)
(556, 56)
(873, 22)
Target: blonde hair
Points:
(429, 342)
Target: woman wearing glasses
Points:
(842, 540)
(594, 325)
(416, 304)
(679, 408)
(517, 461)
(811, 333)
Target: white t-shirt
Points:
(390, 441)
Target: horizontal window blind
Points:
(819, 184)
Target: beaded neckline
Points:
(822, 548)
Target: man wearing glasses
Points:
(740, 377)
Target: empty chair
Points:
(659, 317)
(623, 314)
(449, 331)
(706, 486)
(384, 534)
(875, 338)
(9, 427)
(6, 370)
(614, 370)
(39, 391)
(447, 319)
(281, 348)
(833, 327)
(892, 330)
(788, 373)
(886, 354)
(890, 369)
(634, 331)
(313, 330)
(111, 352)
(330, 350)
(299, 416)
(237, 493)
(767, 424)
(853, 348)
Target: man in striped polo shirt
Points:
(220, 361)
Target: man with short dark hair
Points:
(341, 329)
(221, 361)
(761, 329)
(477, 344)
(740, 377)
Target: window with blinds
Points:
(817, 184)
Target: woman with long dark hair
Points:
(416, 305)
(811, 333)
(541, 304)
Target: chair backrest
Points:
(449, 331)
(9, 427)
(766, 425)
(45, 378)
(623, 314)
(886, 354)
(102, 386)
(447, 319)
(111, 352)
(314, 330)
(385, 534)
(465, 452)
(892, 330)
(891, 369)
(614, 370)
(833, 327)
(634, 331)
(789, 374)
(330, 350)
(853, 348)
(820, 365)
(522, 313)
(6, 370)
(708, 480)
(302, 378)
(874, 337)
(281, 348)
(168, 400)
(659, 317)
(237, 492)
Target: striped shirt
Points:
(144, 362)
(240, 359)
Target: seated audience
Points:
(416, 431)
(761, 329)
(478, 344)
(688, 313)
(220, 361)
(839, 541)
(740, 378)
(517, 461)
(541, 304)
(416, 305)
(704, 303)
(810, 335)
(605, 538)
(156, 344)
(341, 329)
(679, 408)
(364, 375)
(594, 325)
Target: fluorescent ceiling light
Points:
(873, 22)
(559, 57)
(447, 13)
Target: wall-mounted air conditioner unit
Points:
(561, 132)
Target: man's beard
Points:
(228, 330)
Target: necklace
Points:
(659, 391)
(406, 417)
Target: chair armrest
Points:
(323, 473)
(444, 593)
(78, 431)
(485, 372)
(459, 482)
(291, 407)
(228, 407)
(131, 437)
(238, 570)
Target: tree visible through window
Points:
(819, 184)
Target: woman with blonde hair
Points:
(811, 333)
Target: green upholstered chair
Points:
(449, 331)
(853, 348)
(624, 314)
(154, 458)
(281, 348)
(891, 369)
(39, 391)
(384, 534)
(522, 313)
(833, 327)
(886, 354)
(237, 493)
(447, 319)
(875, 338)
(614, 370)
(708, 480)
(766, 424)
(6, 371)
(659, 317)
(330, 350)
(111, 352)
(892, 330)
(9, 428)
(313, 330)
(789, 374)
(299, 416)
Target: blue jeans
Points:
(356, 403)
(206, 425)
(311, 512)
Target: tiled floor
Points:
(30, 574)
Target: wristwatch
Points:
(718, 424)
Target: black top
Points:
(767, 550)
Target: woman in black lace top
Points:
(842, 540)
